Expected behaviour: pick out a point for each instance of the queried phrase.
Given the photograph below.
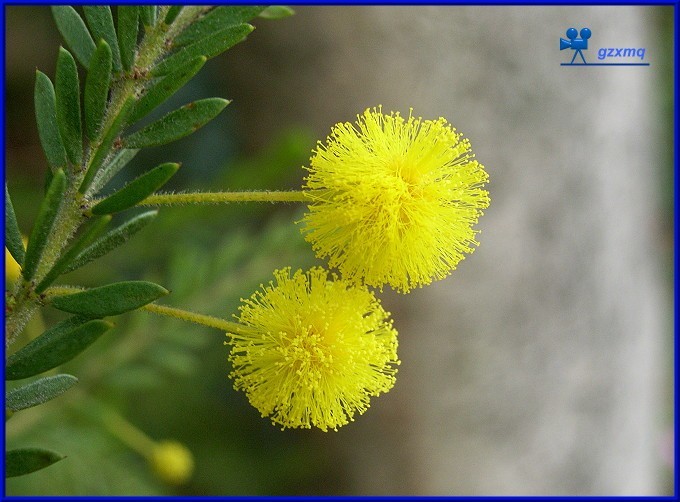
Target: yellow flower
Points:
(393, 200)
(172, 462)
(313, 350)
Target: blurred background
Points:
(542, 366)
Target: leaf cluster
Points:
(118, 65)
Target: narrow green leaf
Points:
(73, 29)
(214, 44)
(67, 89)
(55, 347)
(111, 167)
(112, 299)
(93, 229)
(100, 21)
(216, 20)
(128, 24)
(172, 13)
(277, 12)
(168, 86)
(26, 460)
(46, 118)
(97, 88)
(49, 176)
(137, 190)
(116, 237)
(39, 391)
(177, 124)
(148, 14)
(43, 224)
(13, 241)
(104, 147)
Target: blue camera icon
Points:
(578, 45)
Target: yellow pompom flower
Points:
(172, 462)
(313, 350)
(393, 199)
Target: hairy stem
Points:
(202, 319)
(169, 199)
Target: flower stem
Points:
(183, 315)
(168, 199)
(205, 320)
(127, 433)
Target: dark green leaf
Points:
(177, 124)
(100, 21)
(277, 12)
(39, 391)
(210, 46)
(116, 237)
(26, 460)
(67, 89)
(97, 88)
(113, 165)
(112, 299)
(128, 24)
(216, 20)
(148, 14)
(172, 13)
(13, 241)
(54, 347)
(73, 29)
(104, 147)
(137, 190)
(93, 229)
(43, 224)
(46, 118)
(166, 88)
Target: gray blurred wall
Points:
(538, 366)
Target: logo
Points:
(629, 56)
(578, 45)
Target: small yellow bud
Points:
(172, 462)
(12, 268)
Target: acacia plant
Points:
(391, 201)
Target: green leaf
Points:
(128, 24)
(116, 237)
(109, 300)
(100, 21)
(73, 29)
(39, 391)
(137, 190)
(210, 46)
(46, 118)
(108, 137)
(54, 347)
(166, 88)
(148, 14)
(67, 90)
(216, 20)
(277, 12)
(110, 168)
(172, 13)
(13, 241)
(177, 124)
(43, 224)
(94, 228)
(26, 460)
(97, 88)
